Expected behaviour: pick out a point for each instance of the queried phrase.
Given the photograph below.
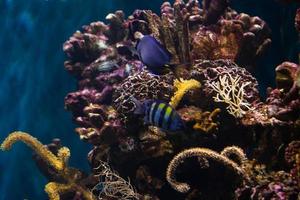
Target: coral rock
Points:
(142, 85)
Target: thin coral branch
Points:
(112, 185)
(231, 90)
(202, 153)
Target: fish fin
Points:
(139, 109)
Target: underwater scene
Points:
(150, 100)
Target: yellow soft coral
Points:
(182, 86)
(33, 143)
(59, 163)
(204, 121)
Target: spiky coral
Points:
(182, 87)
(59, 163)
(204, 154)
(231, 91)
(234, 153)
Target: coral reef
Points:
(292, 157)
(267, 185)
(213, 52)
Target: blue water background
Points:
(33, 82)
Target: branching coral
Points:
(205, 154)
(183, 86)
(59, 163)
(104, 60)
(231, 91)
(112, 185)
(204, 121)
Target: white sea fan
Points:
(231, 90)
(112, 185)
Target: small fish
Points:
(159, 114)
(107, 66)
(152, 54)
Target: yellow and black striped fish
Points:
(159, 114)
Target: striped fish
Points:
(160, 114)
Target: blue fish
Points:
(153, 54)
(159, 114)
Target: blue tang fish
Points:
(159, 114)
(153, 54)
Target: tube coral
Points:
(70, 176)
(182, 87)
(202, 153)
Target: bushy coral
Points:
(111, 185)
(218, 87)
(230, 90)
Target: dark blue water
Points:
(33, 81)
